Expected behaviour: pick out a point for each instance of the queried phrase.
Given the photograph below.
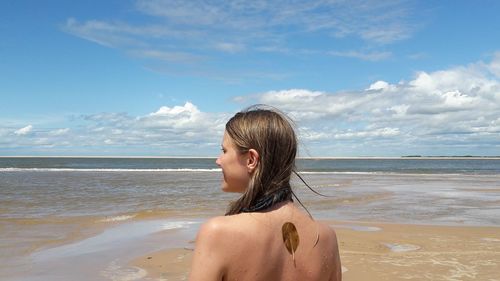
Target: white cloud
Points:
(311, 135)
(184, 31)
(379, 85)
(59, 132)
(24, 131)
(305, 104)
(452, 111)
(102, 33)
(455, 99)
(184, 117)
(290, 96)
(185, 12)
(381, 132)
(399, 110)
(457, 108)
(188, 108)
(175, 130)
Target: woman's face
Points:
(235, 172)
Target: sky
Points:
(162, 77)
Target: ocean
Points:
(53, 208)
(414, 165)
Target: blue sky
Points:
(160, 78)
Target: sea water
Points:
(58, 210)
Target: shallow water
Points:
(54, 218)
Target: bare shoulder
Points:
(212, 226)
(221, 225)
(213, 231)
(211, 257)
(220, 231)
(327, 231)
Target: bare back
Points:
(250, 246)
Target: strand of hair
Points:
(308, 186)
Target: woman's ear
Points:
(252, 160)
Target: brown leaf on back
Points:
(290, 238)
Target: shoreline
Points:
(95, 226)
(159, 248)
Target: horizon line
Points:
(214, 157)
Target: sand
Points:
(381, 251)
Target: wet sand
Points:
(381, 251)
(95, 225)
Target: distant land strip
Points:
(214, 157)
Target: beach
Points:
(136, 219)
(378, 251)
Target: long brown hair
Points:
(271, 133)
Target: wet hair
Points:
(271, 133)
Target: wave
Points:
(159, 170)
(378, 173)
(177, 224)
(402, 173)
(117, 218)
(105, 170)
(340, 173)
(172, 170)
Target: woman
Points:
(263, 236)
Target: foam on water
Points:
(356, 227)
(399, 248)
(117, 218)
(104, 170)
(116, 272)
(342, 173)
(175, 225)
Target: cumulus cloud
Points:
(454, 111)
(186, 117)
(175, 130)
(24, 131)
(379, 85)
(168, 130)
(457, 108)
